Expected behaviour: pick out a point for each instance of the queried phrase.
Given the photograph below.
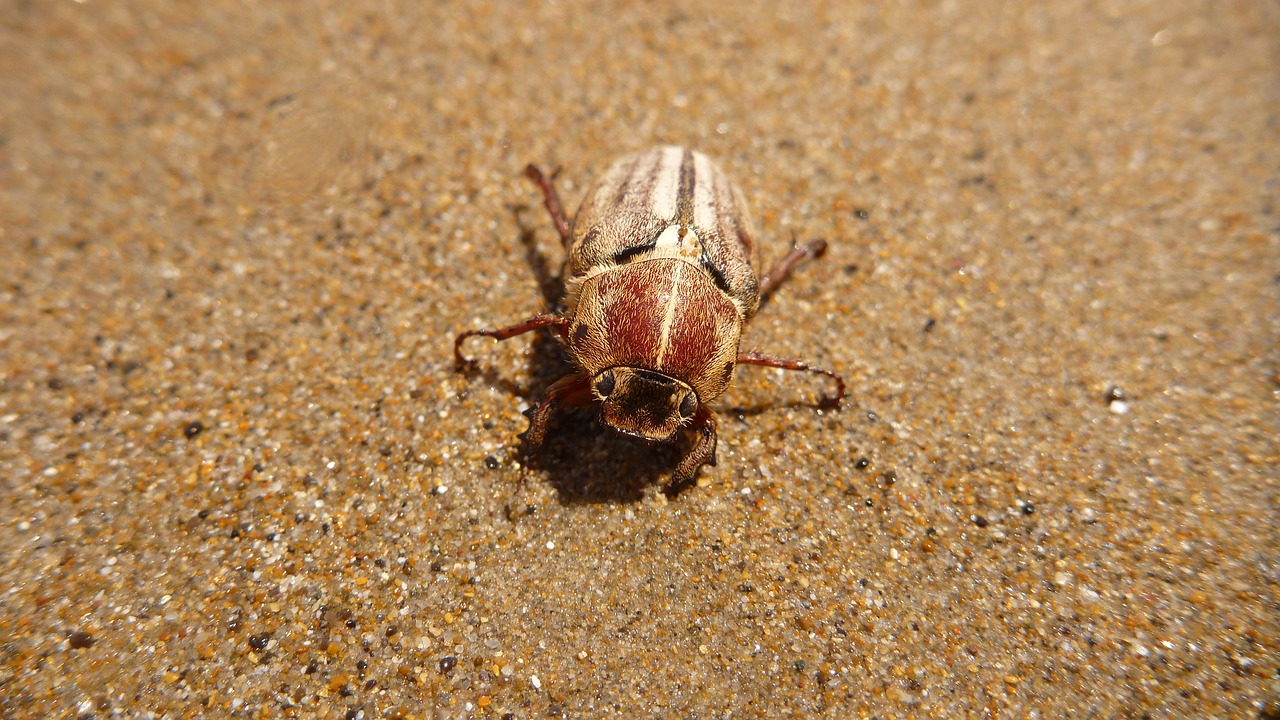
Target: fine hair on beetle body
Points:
(661, 277)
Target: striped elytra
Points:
(660, 279)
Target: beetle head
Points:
(643, 403)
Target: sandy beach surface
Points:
(242, 477)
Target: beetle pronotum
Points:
(661, 278)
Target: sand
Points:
(242, 477)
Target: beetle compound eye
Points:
(689, 405)
(605, 384)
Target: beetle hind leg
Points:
(780, 272)
(551, 199)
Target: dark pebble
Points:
(80, 639)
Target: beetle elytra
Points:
(661, 278)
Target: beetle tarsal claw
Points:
(529, 414)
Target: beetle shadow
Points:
(550, 279)
(587, 463)
(547, 361)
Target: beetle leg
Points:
(782, 270)
(704, 449)
(533, 323)
(551, 199)
(568, 391)
(755, 358)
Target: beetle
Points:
(660, 280)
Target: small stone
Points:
(80, 639)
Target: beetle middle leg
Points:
(782, 270)
(755, 358)
(533, 323)
(551, 199)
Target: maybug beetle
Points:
(660, 280)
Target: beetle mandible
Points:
(660, 280)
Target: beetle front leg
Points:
(703, 452)
(551, 199)
(533, 323)
(755, 358)
(782, 270)
(569, 391)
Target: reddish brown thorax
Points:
(658, 338)
(661, 315)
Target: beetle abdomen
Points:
(668, 202)
(662, 315)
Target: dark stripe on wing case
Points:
(721, 281)
(684, 196)
(624, 256)
(625, 186)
